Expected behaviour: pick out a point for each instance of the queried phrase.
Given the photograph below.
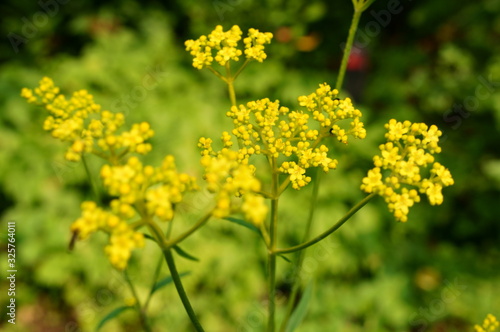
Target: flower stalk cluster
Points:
(291, 141)
(222, 46)
(399, 172)
(292, 138)
(143, 194)
(89, 129)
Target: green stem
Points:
(329, 231)
(91, 180)
(155, 279)
(298, 265)
(190, 231)
(348, 46)
(230, 84)
(241, 68)
(140, 310)
(180, 289)
(273, 232)
(232, 93)
(216, 73)
(157, 233)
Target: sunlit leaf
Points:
(300, 311)
(112, 315)
(167, 280)
(185, 254)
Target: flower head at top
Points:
(222, 46)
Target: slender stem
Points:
(241, 68)
(216, 73)
(284, 185)
(91, 179)
(298, 265)
(169, 229)
(155, 279)
(190, 231)
(180, 289)
(348, 46)
(272, 292)
(141, 311)
(329, 231)
(265, 235)
(273, 232)
(230, 84)
(157, 233)
(232, 93)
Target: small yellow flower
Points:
(490, 324)
(222, 46)
(227, 177)
(408, 152)
(265, 127)
(123, 239)
(80, 121)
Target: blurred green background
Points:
(427, 61)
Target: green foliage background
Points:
(440, 271)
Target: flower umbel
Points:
(409, 150)
(229, 178)
(140, 190)
(88, 128)
(222, 46)
(122, 238)
(490, 324)
(292, 138)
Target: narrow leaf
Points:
(149, 237)
(285, 258)
(185, 254)
(112, 315)
(244, 223)
(165, 281)
(300, 311)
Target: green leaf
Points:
(285, 258)
(149, 237)
(244, 223)
(167, 280)
(185, 254)
(300, 311)
(112, 315)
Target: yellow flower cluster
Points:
(228, 177)
(254, 44)
(328, 110)
(161, 188)
(123, 239)
(153, 192)
(265, 127)
(81, 121)
(409, 149)
(222, 46)
(144, 190)
(490, 324)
